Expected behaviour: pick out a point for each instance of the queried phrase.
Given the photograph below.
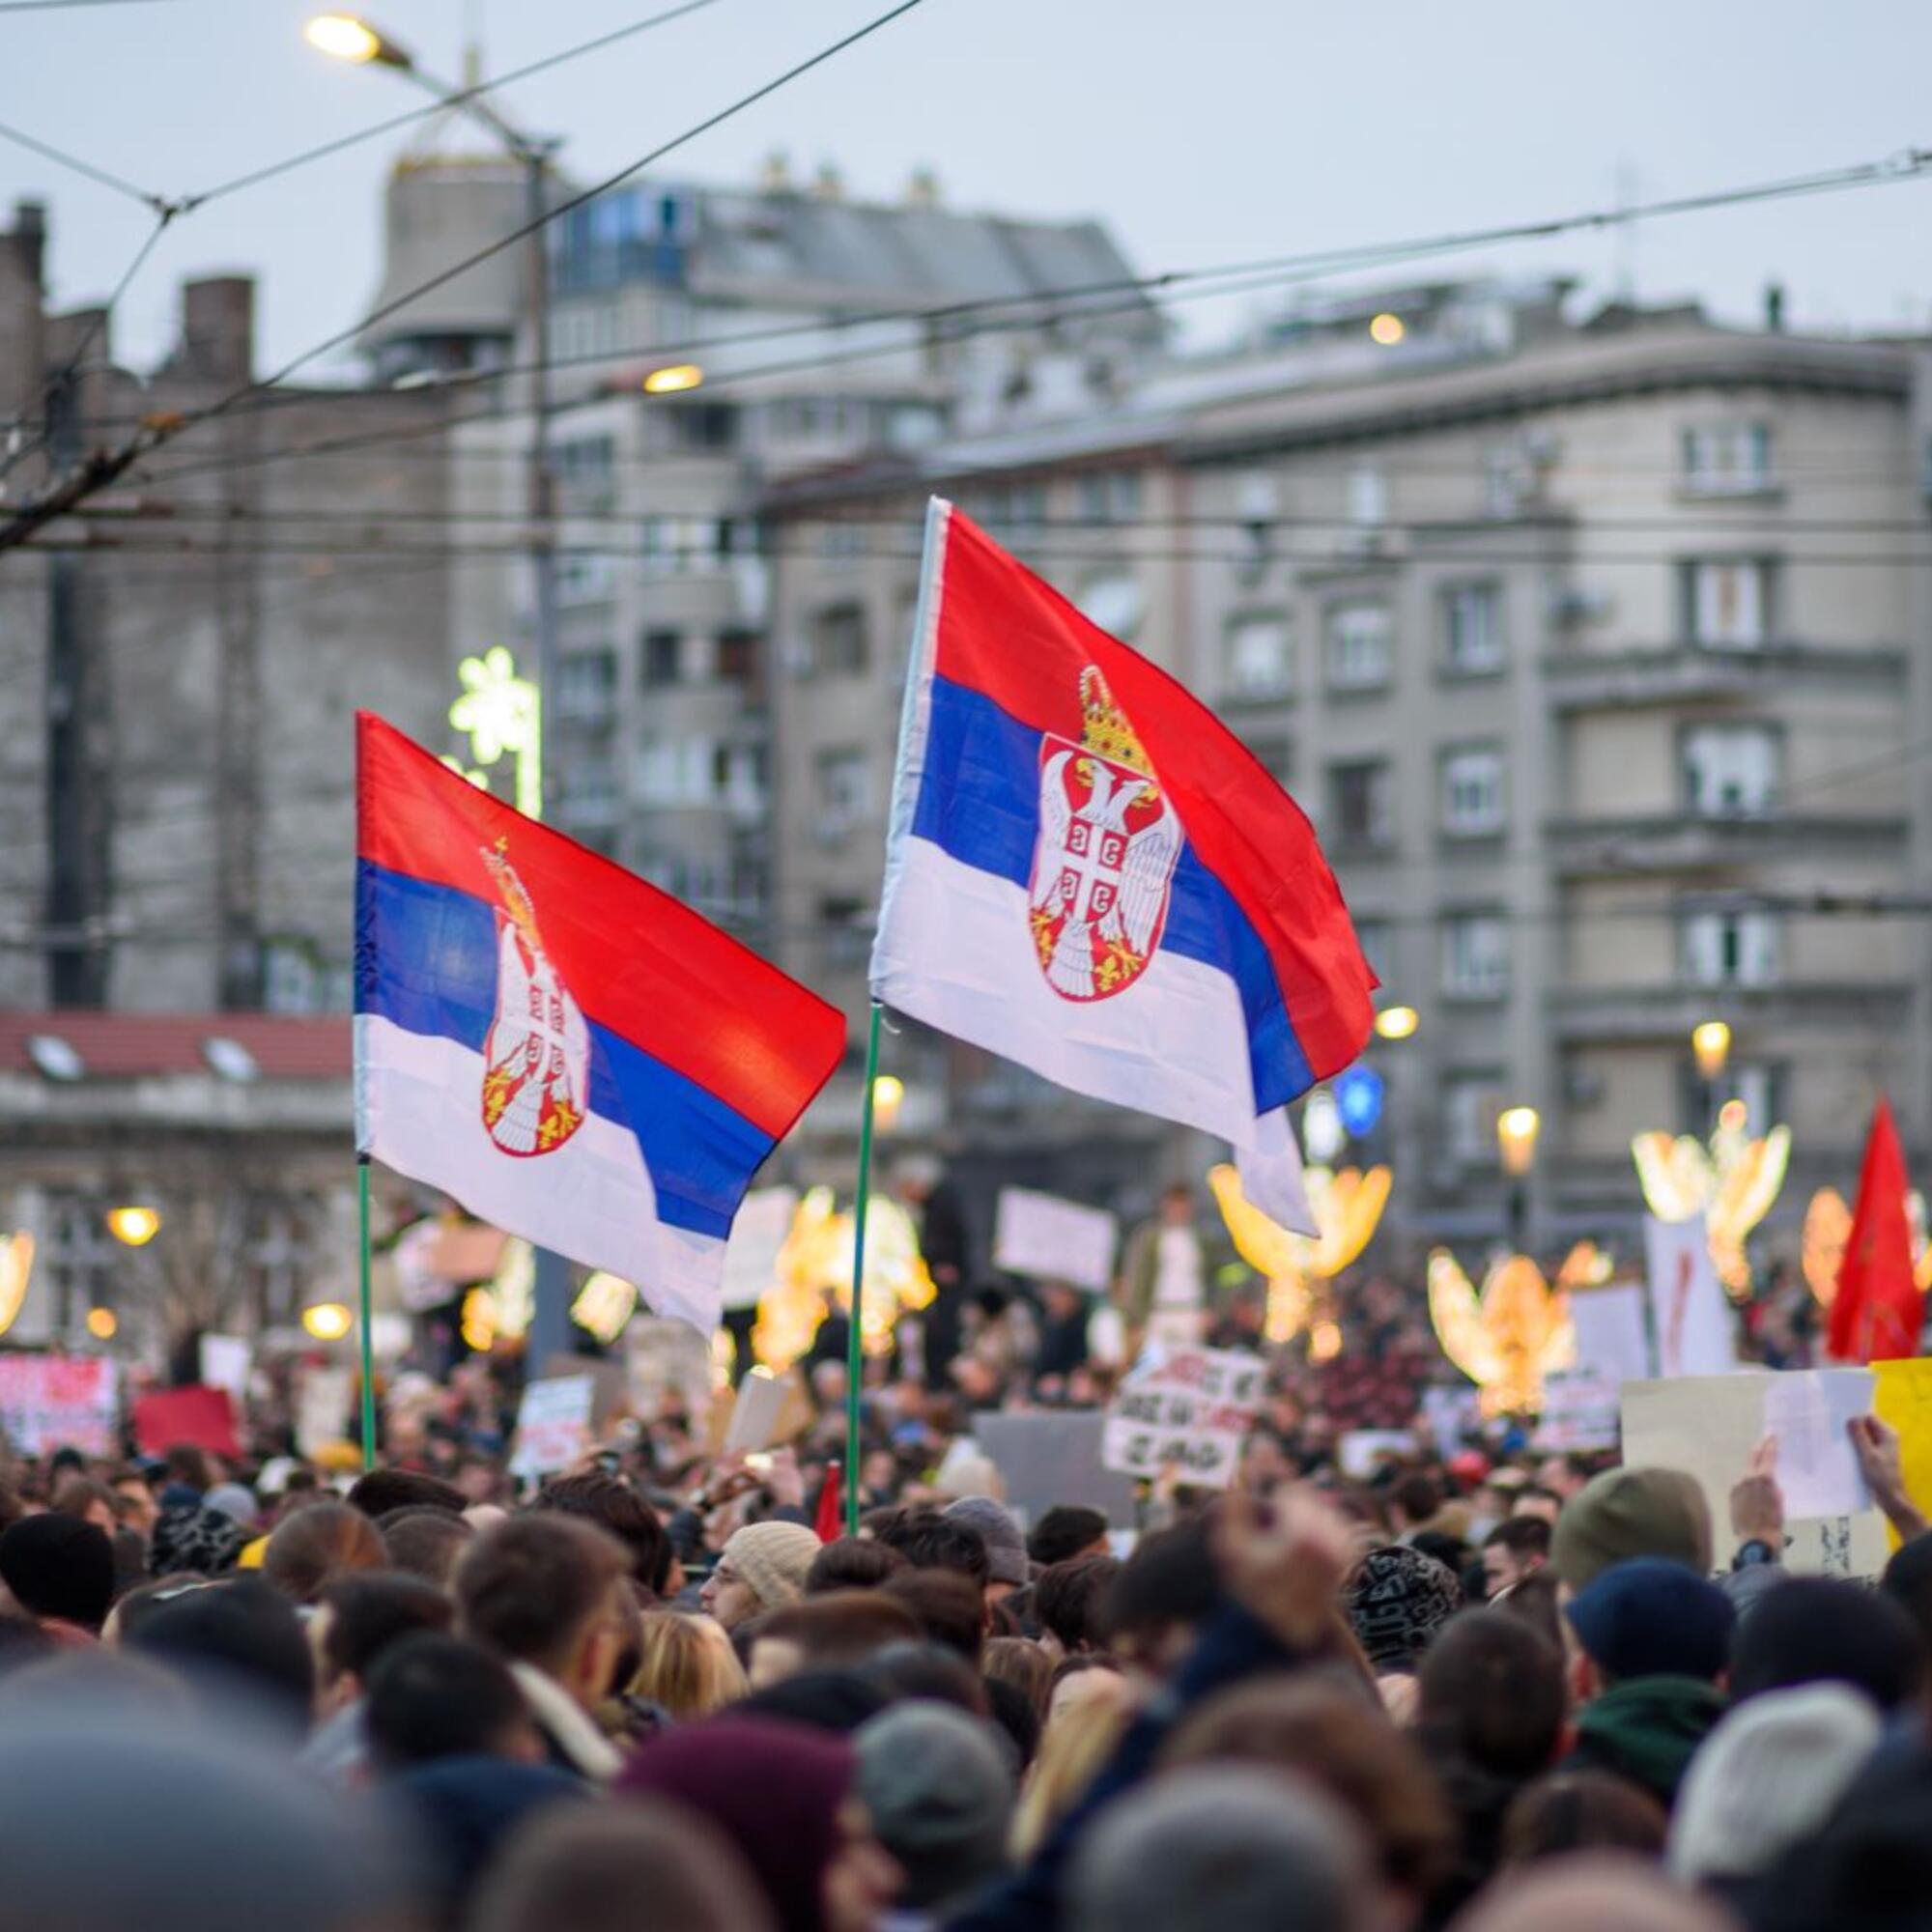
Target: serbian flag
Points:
(569, 1052)
(1088, 874)
(1879, 1307)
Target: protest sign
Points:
(50, 1402)
(323, 1395)
(1902, 1396)
(1187, 1409)
(553, 1423)
(1581, 1410)
(1360, 1450)
(1053, 1456)
(1807, 1411)
(1051, 1240)
(1612, 1339)
(1691, 1319)
(198, 1414)
(225, 1361)
(1451, 1414)
(760, 1401)
(758, 1231)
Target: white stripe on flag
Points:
(418, 1103)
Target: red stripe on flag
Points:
(636, 960)
(1005, 631)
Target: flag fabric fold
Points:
(569, 1052)
(1879, 1308)
(1089, 875)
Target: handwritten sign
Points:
(1581, 1409)
(1187, 1410)
(1051, 1240)
(553, 1423)
(53, 1401)
(1695, 1334)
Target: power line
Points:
(101, 176)
(67, 6)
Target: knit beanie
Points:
(1654, 1618)
(194, 1538)
(1396, 1600)
(1626, 1513)
(941, 1796)
(1005, 1546)
(773, 1558)
(59, 1566)
(1766, 1778)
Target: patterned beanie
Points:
(194, 1538)
(1396, 1600)
(773, 1558)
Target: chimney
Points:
(30, 238)
(1774, 308)
(923, 189)
(829, 184)
(219, 328)
(775, 177)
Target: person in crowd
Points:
(422, 1541)
(1153, 1611)
(1626, 1513)
(763, 1567)
(1599, 1892)
(1816, 1630)
(309, 1551)
(1021, 1661)
(357, 1619)
(1397, 1599)
(1067, 1602)
(379, 1493)
(1513, 1552)
(187, 1537)
(828, 1633)
(616, 1507)
(91, 1501)
(1164, 1290)
(852, 1563)
(541, 1592)
(687, 1666)
(59, 1569)
(948, 1606)
(239, 1639)
(1581, 1811)
(1008, 1567)
(432, 1697)
(1066, 1532)
(134, 1505)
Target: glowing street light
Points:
(133, 1226)
(674, 378)
(346, 37)
(328, 1321)
(888, 1098)
(1397, 1023)
(1711, 1043)
(102, 1324)
(1387, 329)
(1517, 1129)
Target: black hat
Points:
(59, 1566)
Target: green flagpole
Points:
(367, 1298)
(855, 1361)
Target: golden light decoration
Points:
(1732, 1185)
(500, 1309)
(133, 1225)
(1828, 1229)
(1348, 1208)
(603, 1304)
(17, 1271)
(1517, 1130)
(102, 1324)
(1510, 1337)
(328, 1321)
(815, 1272)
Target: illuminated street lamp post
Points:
(1711, 1048)
(1517, 1129)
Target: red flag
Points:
(830, 1523)
(203, 1416)
(1878, 1308)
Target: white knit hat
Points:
(773, 1558)
(1767, 1777)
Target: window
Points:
(702, 425)
(1731, 769)
(583, 579)
(1730, 949)
(839, 640)
(1472, 793)
(589, 791)
(679, 544)
(1473, 628)
(1475, 955)
(1277, 754)
(847, 940)
(1727, 459)
(1375, 938)
(1359, 646)
(676, 771)
(738, 777)
(1359, 803)
(1727, 603)
(1116, 603)
(586, 682)
(845, 791)
(1368, 499)
(740, 660)
(1260, 656)
(585, 468)
(663, 659)
(1470, 1105)
(1110, 497)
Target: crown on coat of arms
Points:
(512, 890)
(1105, 729)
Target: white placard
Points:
(1581, 1410)
(322, 1396)
(754, 1414)
(1695, 1334)
(1451, 1413)
(758, 1231)
(1612, 1340)
(225, 1361)
(1189, 1408)
(1358, 1452)
(553, 1423)
(1051, 1240)
(1807, 1409)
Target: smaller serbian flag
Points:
(1088, 874)
(569, 1052)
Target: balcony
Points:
(1599, 680)
(1666, 1011)
(1682, 841)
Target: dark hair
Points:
(1417, 1496)
(1908, 1582)
(243, 1631)
(1171, 1578)
(842, 1626)
(1023, 1663)
(369, 1612)
(1065, 1530)
(852, 1563)
(1521, 1536)
(187, 1462)
(1066, 1600)
(1491, 1692)
(906, 1672)
(1811, 1629)
(75, 1496)
(528, 1588)
(377, 1491)
(435, 1697)
(931, 1540)
(1533, 1602)
(614, 1505)
(1581, 1811)
(1013, 1710)
(950, 1609)
(316, 1545)
(425, 1542)
(837, 1702)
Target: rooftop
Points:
(72, 1045)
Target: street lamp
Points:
(1517, 1129)
(888, 1098)
(133, 1225)
(1397, 1023)
(674, 378)
(328, 1321)
(346, 37)
(1711, 1043)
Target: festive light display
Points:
(1732, 1184)
(1828, 1226)
(1348, 1208)
(814, 1273)
(16, 1270)
(1516, 1331)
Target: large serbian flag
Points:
(568, 1051)
(1089, 875)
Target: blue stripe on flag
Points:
(426, 961)
(979, 803)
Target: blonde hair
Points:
(1078, 1741)
(687, 1665)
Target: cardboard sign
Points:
(201, 1415)
(1053, 1456)
(225, 1363)
(1188, 1408)
(1051, 1240)
(760, 1413)
(1692, 1320)
(323, 1398)
(553, 1425)
(1358, 1453)
(1612, 1339)
(52, 1402)
(1581, 1409)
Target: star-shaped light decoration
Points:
(502, 715)
(814, 1270)
(1732, 1185)
(1515, 1332)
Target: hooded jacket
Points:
(1646, 1730)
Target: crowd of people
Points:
(1493, 1690)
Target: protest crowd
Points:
(1476, 1683)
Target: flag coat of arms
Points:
(1088, 874)
(569, 1052)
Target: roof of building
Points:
(133, 1046)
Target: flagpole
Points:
(855, 1361)
(363, 1315)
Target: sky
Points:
(1207, 131)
